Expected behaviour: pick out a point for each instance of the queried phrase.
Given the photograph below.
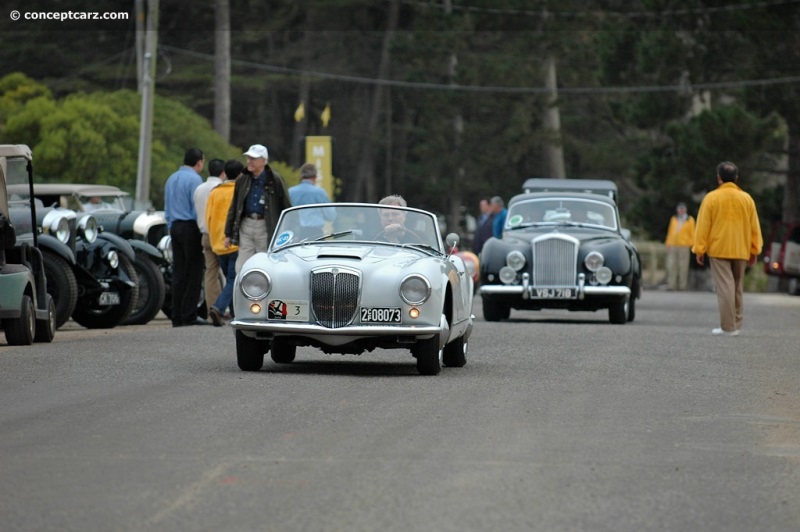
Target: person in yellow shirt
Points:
(728, 232)
(680, 237)
(216, 214)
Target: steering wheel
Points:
(383, 235)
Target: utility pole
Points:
(553, 149)
(148, 73)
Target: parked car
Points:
(27, 311)
(351, 290)
(145, 231)
(782, 257)
(561, 250)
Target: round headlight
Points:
(515, 260)
(87, 228)
(113, 259)
(593, 261)
(165, 247)
(255, 285)
(61, 230)
(415, 289)
(603, 275)
(507, 275)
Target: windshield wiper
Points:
(423, 247)
(333, 235)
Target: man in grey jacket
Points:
(259, 198)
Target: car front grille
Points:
(555, 260)
(334, 296)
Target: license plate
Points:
(288, 310)
(108, 298)
(555, 293)
(380, 315)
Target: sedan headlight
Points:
(507, 275)
(415, 289)
(603, 275)
(594, 261)
(165, 247)
(255, 285)
(87, 228)
(113, 259)
(515, 260)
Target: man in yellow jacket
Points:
(219, 201)
(680, 237)
(729, 233)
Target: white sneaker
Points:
(725, 333)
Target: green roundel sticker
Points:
(515, 220)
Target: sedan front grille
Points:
(334, 296)
(555, 259)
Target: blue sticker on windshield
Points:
(284, 238)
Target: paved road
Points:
(559, 421)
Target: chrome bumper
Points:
(526, 291)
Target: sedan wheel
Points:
(46, 329)
(618, 312)
(454, 354)
(62, 285)
(250, 352)
(283, 352)
(151, 291)
(429, 356)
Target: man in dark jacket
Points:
(259, 198)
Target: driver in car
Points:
(393, 222)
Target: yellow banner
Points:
(319, 153)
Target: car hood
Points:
(364, 254)
(584, 234)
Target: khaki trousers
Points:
(729, 283)
(211, 279)
(678, 267)
(253, 238)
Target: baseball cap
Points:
(256, 151)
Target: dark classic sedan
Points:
(561, 250)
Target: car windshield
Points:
(100, 203)
(561, 211)
(364, 223)
(16, 177)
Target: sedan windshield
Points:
(344, 222)
(561, 211)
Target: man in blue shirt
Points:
(306, 193)
(500, 212)
(187, 247)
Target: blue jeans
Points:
(227, 265)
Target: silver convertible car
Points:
(378, 276)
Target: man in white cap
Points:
(259, 198)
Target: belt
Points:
(254, 216)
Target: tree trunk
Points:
(553, 149)
(365, 188)
(791, 191)
(222, 70)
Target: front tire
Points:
(494, 311)
(151, 291)
(93, 316)
(428, 356)
(46, 329)
(454, 354)
(62, 285)
(283, 352)
(21, 331)
(250, 352)
(618, 313)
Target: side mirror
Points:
(626, 234)
(452, 241)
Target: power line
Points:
(590, 13)
(490, 89)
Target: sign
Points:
(318, 153)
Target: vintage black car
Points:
(27, 311)
(145, 231)
(561, 250)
